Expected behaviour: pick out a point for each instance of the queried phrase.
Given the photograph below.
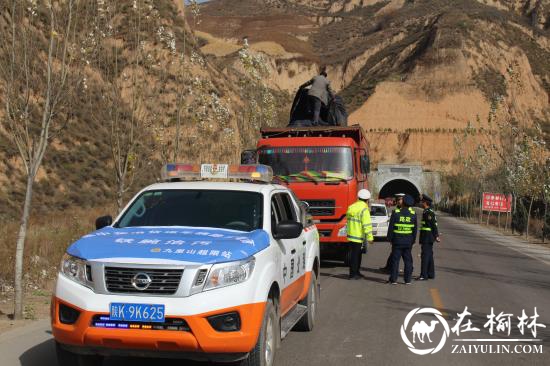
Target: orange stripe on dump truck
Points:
(201, 338)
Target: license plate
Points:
(137, 312)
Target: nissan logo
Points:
(141, 281)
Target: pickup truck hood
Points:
(379, 219)
(185, 244)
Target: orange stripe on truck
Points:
(201, 338)
(294, 292)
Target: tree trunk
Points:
(120, 194)
(528, 218)
(481, 211)
(20, 249)
(506, 222)
(544, 222)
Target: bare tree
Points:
(37, 59)
(128, 88)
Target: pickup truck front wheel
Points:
(67, 358)
(263, 354)
(311, 301)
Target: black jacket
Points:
(402, 219)
(428, 229)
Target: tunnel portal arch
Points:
(399, 185)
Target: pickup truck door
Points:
(292, 252)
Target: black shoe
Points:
(392, 283)
(358, 277)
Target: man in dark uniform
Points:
(399, 204)
(402, 235)
(428, 234)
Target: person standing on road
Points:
(399, 204)
(428, 234)
(359, 231)
(319, 93)
(402, 235)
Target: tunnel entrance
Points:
(399, 186)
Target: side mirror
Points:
(305, 216)
(365, 164)
(103, 221)
(248, 157)
(288, 230)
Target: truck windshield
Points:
(306, 164)
(236, 210)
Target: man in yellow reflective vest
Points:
(359, 229)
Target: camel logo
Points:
(421, 331)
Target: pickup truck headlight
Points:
(74, 269)
(343, 231)
(227, 274)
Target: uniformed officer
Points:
(402, 235)
(398, 204)
(359, 230)
(428, 234)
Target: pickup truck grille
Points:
(164, 281)
(321, 207)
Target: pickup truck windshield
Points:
(236, 210)
(306, 164)
(378, 211)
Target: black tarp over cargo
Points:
(301, 114)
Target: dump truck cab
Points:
(325, 167)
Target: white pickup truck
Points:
(206, 270)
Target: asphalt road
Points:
(359, 321)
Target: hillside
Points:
(174, 82)
(414, 73)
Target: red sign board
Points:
(497, 202)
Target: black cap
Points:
(427, 199)
(408, 200)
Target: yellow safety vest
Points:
(359, 226)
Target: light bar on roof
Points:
(255, 172)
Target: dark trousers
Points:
(316, 102)
(427, 267)
(355, 258)
(396, 254)
(388, 262)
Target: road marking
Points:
(437, 301)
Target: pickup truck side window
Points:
(275, 212)
(289, 211)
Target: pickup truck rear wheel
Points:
(311, 301)
(67, 358)
(263, 354)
